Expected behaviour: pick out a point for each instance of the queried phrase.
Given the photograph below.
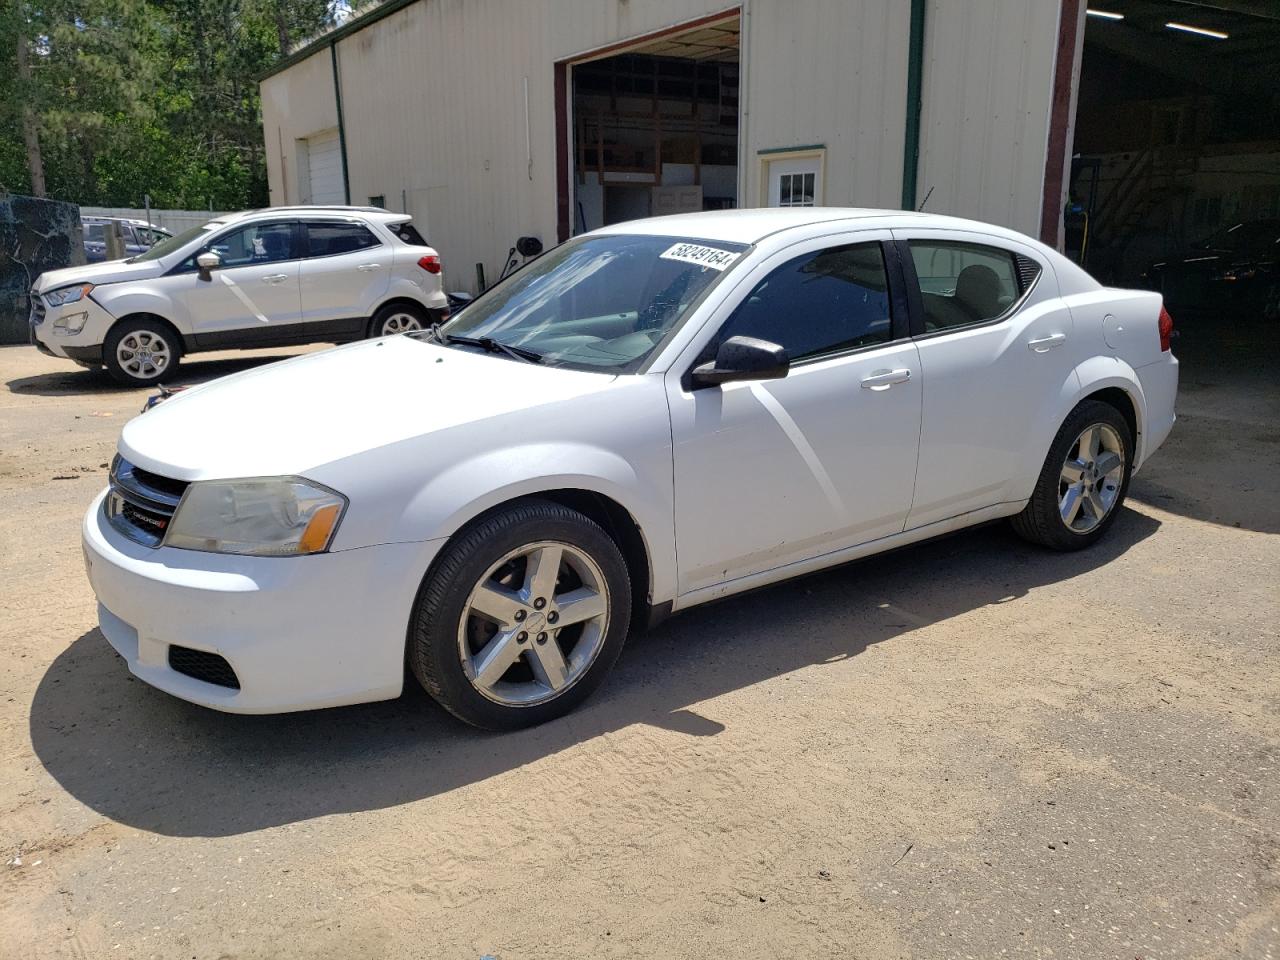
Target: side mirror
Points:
(208, 262)
(743, 358)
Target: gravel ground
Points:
(970, 748)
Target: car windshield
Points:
(598, 302)
(174, 244)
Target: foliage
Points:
(135, 97)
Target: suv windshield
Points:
(598, 302)
(174, 244)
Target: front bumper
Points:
(299, 632)
(83, 347)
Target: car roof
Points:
(379, 214)
(754, 224)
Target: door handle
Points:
(1045, 344)
(884, 379)
(366, 267)
(275, 278)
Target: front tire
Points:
(522, 616)
(141, 352)
(1083, 482)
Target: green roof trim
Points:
(338, 33)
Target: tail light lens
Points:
(430, 263)
(1166, 329)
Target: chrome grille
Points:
(140, 504)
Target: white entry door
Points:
(324, 169)
(795, 182)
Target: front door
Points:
(252, 295)
(769, 473)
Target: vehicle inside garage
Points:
(1176, 169)
(656, 128)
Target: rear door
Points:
(996, 347)
(345, 272)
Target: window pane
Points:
(330, 239)
(808, 189)
(784, 190)
(256, 243)
(963, 283)
(835, 299)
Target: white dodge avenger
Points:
(645, 418)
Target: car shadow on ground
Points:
(77, 381)
(145, 759)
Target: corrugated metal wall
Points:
(988, 86)
(434, 105)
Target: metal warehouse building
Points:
(488, 120)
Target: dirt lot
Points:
(971, 748)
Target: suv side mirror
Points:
(743, 358)
(208, 262)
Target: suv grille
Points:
(140, 504)
(199, 665)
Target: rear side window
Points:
(330, 239)
(966, 283)
(408, 233)
(819, 303)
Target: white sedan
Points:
(645, 418)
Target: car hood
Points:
(290, 417)
(112, 271)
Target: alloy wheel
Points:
(1091, 477)
(534, 623)
(400, 323)
(143, 354)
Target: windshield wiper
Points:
(492, 346)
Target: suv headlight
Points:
(263, 517)
(65, 295)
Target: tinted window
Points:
(408, 233)
(331, 239)
(963, 283)
(824, 302)
(254, 244)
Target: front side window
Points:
(819, 303)
(598, 302)
(255, 244)
(963, 283)
(170, 244)
(329, 239)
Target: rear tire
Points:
(521, 617)
(1082, 485)
(141, 352)
(398, 318)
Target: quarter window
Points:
(819, 303)
(257, 243)
(963, 283)
(331, 239)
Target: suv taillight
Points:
(1166, 329)
(430, 263)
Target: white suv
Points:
(264, 278)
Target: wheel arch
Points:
(1114, 382)
(397, 300)
(182, 341)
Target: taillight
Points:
(430, 263)
(1166, 329)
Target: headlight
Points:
(65, 295)
(264, 517)
(70, 324)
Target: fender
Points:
(1100, 373)
(137, 296)
(402, 288)
(458, 494)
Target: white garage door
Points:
(324, 168)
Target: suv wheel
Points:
(141, 352)
(397, 318)
(1083, 482)
(522, 616)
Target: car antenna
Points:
(925, 200)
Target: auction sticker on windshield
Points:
(700, 255)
